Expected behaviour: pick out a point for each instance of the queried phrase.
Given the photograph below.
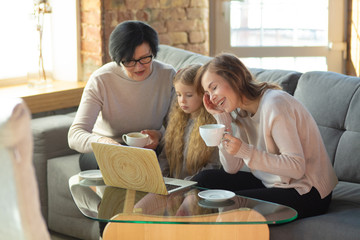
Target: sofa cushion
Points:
(286, 79)
(342, 221)
(64, 216)
(48, 131)
(333, 101)
(179, 58)
(339, 224)
(50, 140)
(347, 192)
(347, 162)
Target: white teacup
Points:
(136, 139)
(212, 134)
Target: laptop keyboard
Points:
(170, 186)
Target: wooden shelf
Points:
(60, 95)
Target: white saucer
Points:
(216, 195)
(91, 174)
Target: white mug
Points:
(136, 139)
(212, 134)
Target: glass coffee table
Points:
(180, 211)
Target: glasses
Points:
(143, 60)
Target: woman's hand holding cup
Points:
(144, 139)
(231, 144)
(154, 137)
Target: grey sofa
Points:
(333, 100)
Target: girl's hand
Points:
(107, 140)
(231, 144)
(210, 107)
(155, 137)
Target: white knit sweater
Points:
(282, 146)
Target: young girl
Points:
(185, 153)
(276, 138)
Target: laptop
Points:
(134, 168)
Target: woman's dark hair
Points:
(127, 36)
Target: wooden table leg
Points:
(150, 231)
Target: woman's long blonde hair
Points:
(198, 154)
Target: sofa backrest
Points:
(285, 78)
(333, 100)
(180, 58)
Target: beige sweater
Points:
(113, 104)
(282, 146)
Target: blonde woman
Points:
(185, 153)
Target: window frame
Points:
(335, 52)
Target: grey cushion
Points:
(340, 222)
(333, 100)
(179, 58)
(50, 140)
(286, 79)
(347, 192)
(64, 216)
(347, 161)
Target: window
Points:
(283, 34)
(355, 36)
(19, 46)
(14, 48)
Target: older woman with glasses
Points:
(130, 94)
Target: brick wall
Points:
(180, 23)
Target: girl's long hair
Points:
(198, 154)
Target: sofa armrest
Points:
(50, 141)
(50, 136)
